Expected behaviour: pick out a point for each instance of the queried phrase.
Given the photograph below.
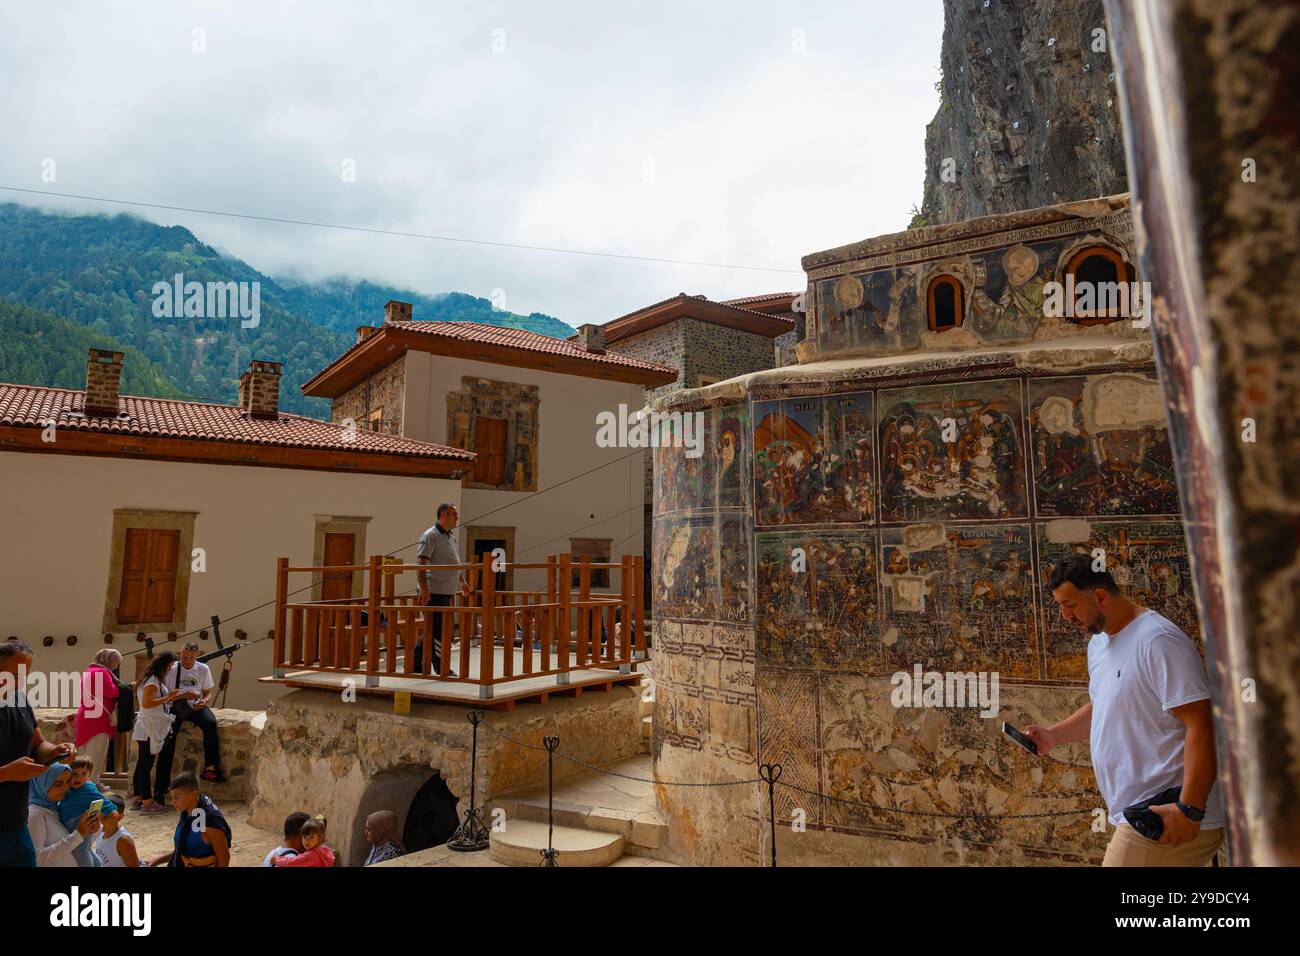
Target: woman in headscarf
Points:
(381, 834)
(55, 846)
(97, 712)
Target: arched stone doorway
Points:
(431, 818)
(420, 798)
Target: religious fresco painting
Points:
(717, 478)
(702, 572)
(1149, 562)
(886, 309)
(813, 460)
(978, 473)
(1100, 446)
(959, 598)
(825, 614)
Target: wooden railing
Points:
(485, 637)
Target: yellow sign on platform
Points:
(402, 702)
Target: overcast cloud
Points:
(691, 130)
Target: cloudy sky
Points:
(743, 133)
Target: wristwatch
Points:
(1193, 814)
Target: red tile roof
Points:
(488, 343)
(698, 307)
(33, 406)
(529, 341)
(753, 299)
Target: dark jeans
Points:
(435, 600)
(16, 848)
(144, 762)
(206, 721)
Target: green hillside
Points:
(99, 272)
(38, 349)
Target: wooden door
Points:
(490, 446)
(339, 551)
(148, 594)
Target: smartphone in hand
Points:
(1021, 740)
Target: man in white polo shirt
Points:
(1148, 722)
(193, 679)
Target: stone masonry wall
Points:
(237, 730)
(384, 390)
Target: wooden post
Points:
(376, 583)
(467, 620)
(281, 596)
(548, 621)
(564, 593)
(625, 630)
(585, 639)
(638, 607)
(487, 645)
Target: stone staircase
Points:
(599, 820)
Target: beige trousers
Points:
(96, 748)
(1130, 848)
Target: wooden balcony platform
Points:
(466, 692)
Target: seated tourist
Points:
(292, 843)
(314, 851)
(202, 836)
(381, 834)
(192, 680)
(55, 844)
(116, 847)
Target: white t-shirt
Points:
(1134, 679)
(196, 678)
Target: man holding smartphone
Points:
(1148, 722)
(192, 680)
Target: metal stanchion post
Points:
(550, 853)
(771, 773)
(472, 834)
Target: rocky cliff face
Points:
(1029, 114)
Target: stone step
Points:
(647, 829)
(522, 842)
(647, 727)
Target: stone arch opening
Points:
(420, 798)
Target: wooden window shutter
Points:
(135, 575)
(490, 446)
(161, 602)
(148, 594)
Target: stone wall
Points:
(858, 518)
(519, 406)
(344, 760)
(384, 391)
(716, 352)
(238, 730)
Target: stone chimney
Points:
(259, 390)
(365, 331)
(395, 311)
(592, 338)
(103, 376)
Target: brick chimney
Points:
(103, 376)
(365, 331)
(592, 338)
(259, 390)
(395, 311)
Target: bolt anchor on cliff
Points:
(472, 834)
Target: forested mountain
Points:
(39, 349)
(99, 272)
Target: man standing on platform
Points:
(439, 588)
